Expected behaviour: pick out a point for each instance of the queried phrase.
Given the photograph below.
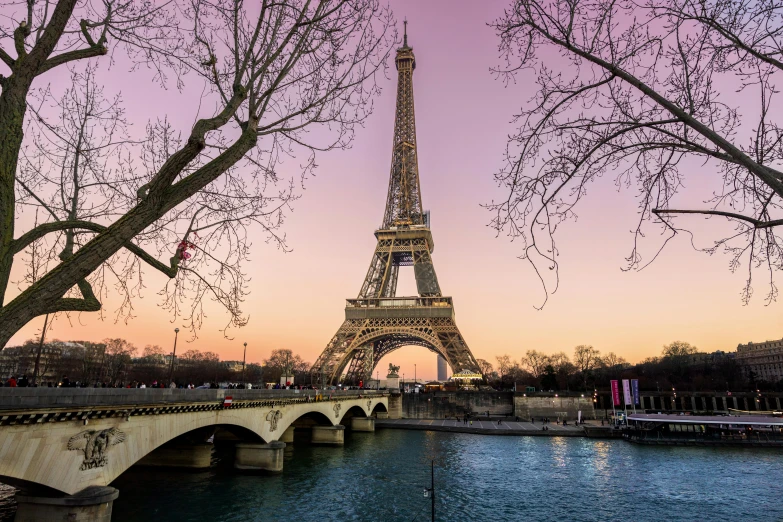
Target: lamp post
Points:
(244, 355)
(415, 380)
(173, 355)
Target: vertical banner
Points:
(627, 393)
(615, 394)
(635, 390)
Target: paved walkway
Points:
(484, 427)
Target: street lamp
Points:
(415, 380)
(173, 355)
(244, 354)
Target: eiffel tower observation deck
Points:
(378, 322)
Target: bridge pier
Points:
(363, 424)
(395, 405)
(333, 435)
(288, 435)
(262, 457)
(193, 456)
(92, 504)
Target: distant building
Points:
(443, 369)
(765, 359)
(233, 366)
(20, 360)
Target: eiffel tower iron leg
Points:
(329, 365)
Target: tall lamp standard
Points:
(244, 354)
(173, 355)
(415, 380)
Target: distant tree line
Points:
(117, 362)
(680, 366)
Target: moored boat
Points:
(703, 430)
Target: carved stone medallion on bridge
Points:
(369, 405)
(274, 416)
(94, 444)
(337, 407)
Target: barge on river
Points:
(702, 430)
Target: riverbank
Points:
(483, 427)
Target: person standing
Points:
(11, 383)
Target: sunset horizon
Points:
(463, 114)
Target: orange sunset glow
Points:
(463, 118)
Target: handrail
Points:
(399, 302)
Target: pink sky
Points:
(463, 116)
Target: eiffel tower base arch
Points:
(353, 353)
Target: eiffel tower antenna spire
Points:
(378, 322)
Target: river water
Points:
(381, 476)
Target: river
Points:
(381, 477)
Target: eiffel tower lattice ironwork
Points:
(377, 322)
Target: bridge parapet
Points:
(45, 398)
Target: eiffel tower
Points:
(377, 321)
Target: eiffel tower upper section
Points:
(403, 204)
(404, 238)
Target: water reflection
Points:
(381, 476)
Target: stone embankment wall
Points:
(553, 407)
(439, 405)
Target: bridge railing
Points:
(35, 398)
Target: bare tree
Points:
(504, 365)
(611, 359)
(281, 360)
(486, 368)
(678, 349)
(536, 362)
(272, 73)
(652, 93)
(586, 358)
(118, 355)
(153, 351)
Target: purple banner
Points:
(635, 390)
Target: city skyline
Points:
(463, 116)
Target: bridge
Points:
(63, 447)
